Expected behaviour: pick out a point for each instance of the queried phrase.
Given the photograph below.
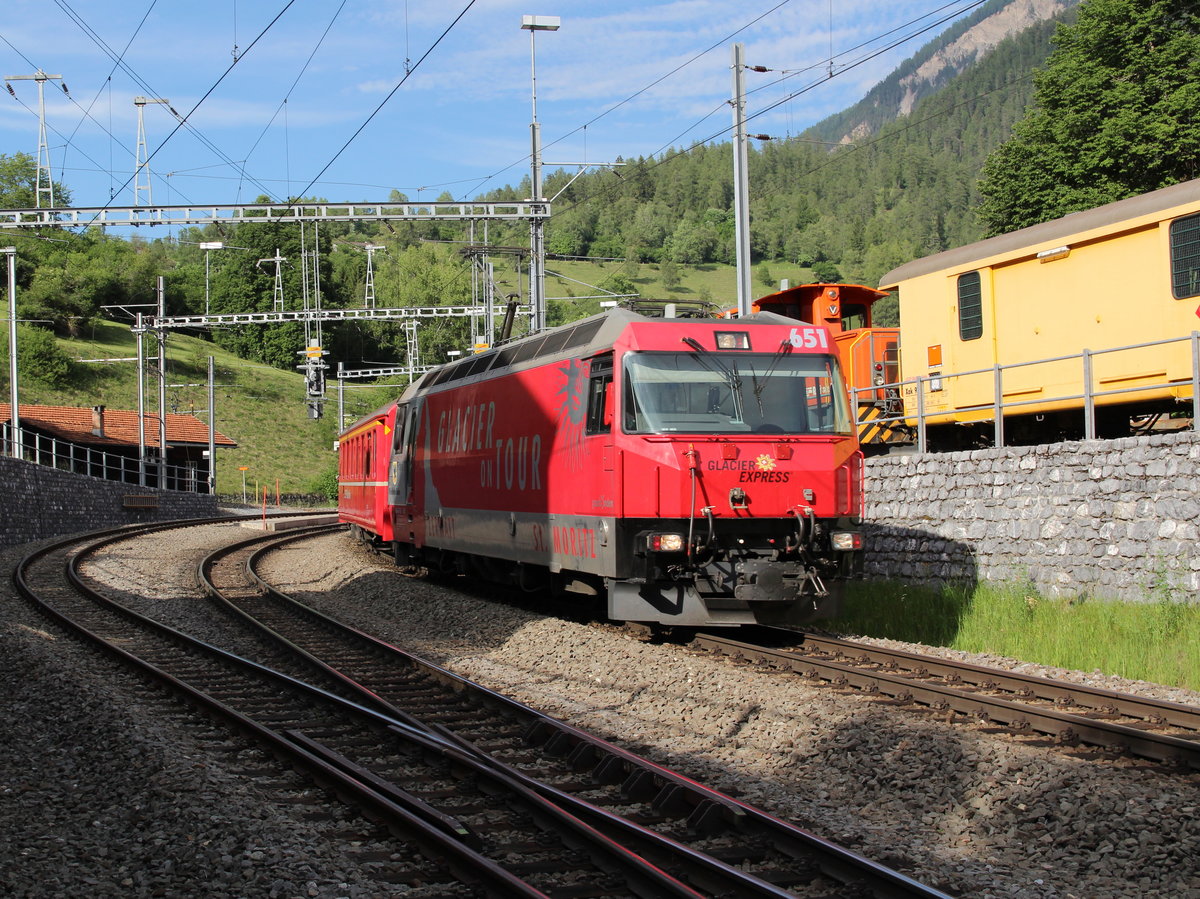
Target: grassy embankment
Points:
(1157, 641)
(260, 407)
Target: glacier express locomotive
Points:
(693, 472)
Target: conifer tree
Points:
(1116, 113)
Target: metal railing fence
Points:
(86, 460)
(998, 406)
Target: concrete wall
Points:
(37, 502)
(1109, 518)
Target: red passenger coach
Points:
(694, 472)
(364, 451)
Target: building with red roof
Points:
(104, 443)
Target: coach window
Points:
(1185, 257)
(970, 306)
(599, 413)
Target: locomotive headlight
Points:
(844, 541)
(665, 543)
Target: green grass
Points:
(260, 407)
(1156, 641)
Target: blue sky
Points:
(618, 79)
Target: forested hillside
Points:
(936, 65)
(665, 225)
(855, 211)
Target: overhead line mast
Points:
(537, 252)
(741, 185)
(43, 160)
(142, 160)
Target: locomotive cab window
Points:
(855, 316)
(599, 400)
(1185, 257)
(718, 393)
(398, 432)
(970, 306)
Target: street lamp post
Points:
(537, 274)
(741, 186)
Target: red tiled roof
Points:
(76, 425)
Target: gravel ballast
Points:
(112, 790)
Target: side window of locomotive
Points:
(854, 316)
(398, 432)
(634, 420)
(970, 306)
(1185, 257)
(600, 396)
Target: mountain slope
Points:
(936, 65)
(853, 212)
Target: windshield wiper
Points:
(759, 386)
(732, 376)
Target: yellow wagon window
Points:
(1185, 257)
(970, 306)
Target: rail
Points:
(78, 459)
(1090, 391)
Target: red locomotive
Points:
(694, 472)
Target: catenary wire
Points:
(182, 120)
(483, 181)
(390, 94)
(846, 67)
(288, 94)
(669, 157)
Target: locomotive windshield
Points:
(718, 393)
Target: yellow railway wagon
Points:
(1119, 275)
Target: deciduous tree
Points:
(18, 183)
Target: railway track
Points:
(679, 825)
(495, 795)
(256, 701)
(1069, 713)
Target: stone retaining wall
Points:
(1105, 518)
(1112, 518)
(37, 502)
